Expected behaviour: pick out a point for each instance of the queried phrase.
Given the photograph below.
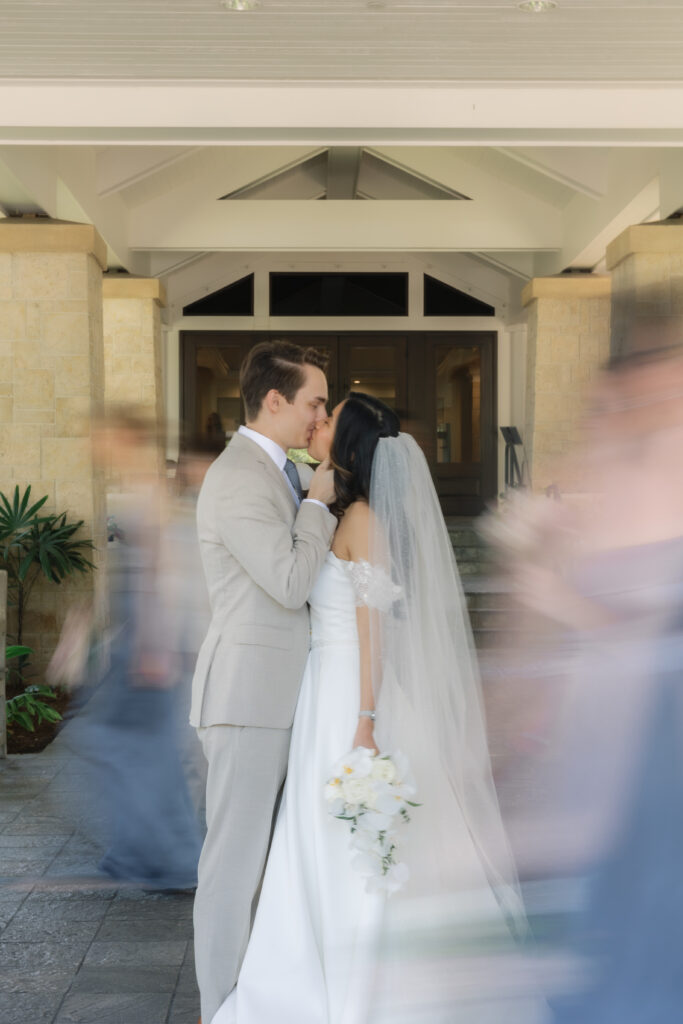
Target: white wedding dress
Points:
(310, 953)
(322, 949)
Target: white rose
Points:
(354, 791)
(383, 769)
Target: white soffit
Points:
(306, 40)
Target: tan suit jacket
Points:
(261, 558)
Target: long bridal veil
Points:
(429, 706)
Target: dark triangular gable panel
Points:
(443, 300)
(236, 299)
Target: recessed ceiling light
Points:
(241, 5)
(537, 6)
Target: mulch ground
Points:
(21, 741)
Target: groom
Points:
(262, 547)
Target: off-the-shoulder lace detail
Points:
(372, 585)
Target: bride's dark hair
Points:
(362, 421)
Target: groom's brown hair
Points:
(275, 365)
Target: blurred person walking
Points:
(128, 729)
(185, 592)
(615, 746)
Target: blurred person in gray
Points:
(612, 816)
(126, 723)
(185, 591)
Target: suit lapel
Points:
(249, 448)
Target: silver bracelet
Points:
(367, 714)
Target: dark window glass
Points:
(236, 299)
(444, 300)
(338, 294)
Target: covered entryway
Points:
(442, 384)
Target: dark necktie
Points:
(293, 477)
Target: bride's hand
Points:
(364, 734)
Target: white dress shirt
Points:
(279, 457)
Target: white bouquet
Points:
(372, 792)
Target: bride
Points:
(391, 668)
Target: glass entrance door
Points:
(442, 386)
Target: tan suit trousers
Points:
(246, 770)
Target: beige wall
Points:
(647, 285)
(51, 386)
(132, 343)
(567, 343)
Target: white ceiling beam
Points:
(444, 165)
(118, 168)
(163, 263)
(343, 165)
(517, 264)
(212, 173)
(320, 113)
(583, 169)
(28, 180)
(277, 225)
(79, 200)
(633, 196)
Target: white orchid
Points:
(394, 879)
(373, 792)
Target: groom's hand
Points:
(322, 483)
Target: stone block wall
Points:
(567, 344)
(647, 286)
(51, 387)
(132, 343)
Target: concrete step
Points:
(492, 618)
(491, 606)
(469, 549)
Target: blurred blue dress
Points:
(130, 729)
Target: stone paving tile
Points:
(37, 927)
(9, 907)
(40, 825)
(138, 1008)
(76, 947)
(24, 1008)
(73, 865)
(187, 979)
(184, 1008)
(113, 980)
(39, 966)
(132, 954)
(12, 841)
(136, 929)
(48, 906)
(26, 866)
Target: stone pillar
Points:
(646, 261)
(567, 344)
(51, 385)
(132, 343)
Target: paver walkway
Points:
(76, 949)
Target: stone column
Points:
(132, 344)
(646, 261)
(567, 344)
(51, 385)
